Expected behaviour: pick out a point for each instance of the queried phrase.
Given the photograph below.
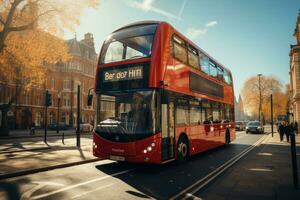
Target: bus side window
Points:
(206, 112)
(193, 57)
(227, 77)
(216, 112)
(213, 69)
(195, 113)
(220, 74)
(182, 112)
(204, 62)
(179, 49)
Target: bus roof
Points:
(181, 35)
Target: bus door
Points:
(168, 130)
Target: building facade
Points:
(294, 106)
(61, 81)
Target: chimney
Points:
(89, 39)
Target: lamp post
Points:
(259, 88)
(58, 105)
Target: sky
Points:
(248, 37)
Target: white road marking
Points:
(79, 184)
(216, 172)
(87, 192)
(28, 194)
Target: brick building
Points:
(295, 74)
(61, 81)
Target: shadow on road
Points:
(164, 181)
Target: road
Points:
(110, 180)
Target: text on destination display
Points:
(123, 74)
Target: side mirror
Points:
(89, 99)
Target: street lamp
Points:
(58, 104)
(259, 88)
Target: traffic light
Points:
(48, 99)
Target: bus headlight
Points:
(149, 148)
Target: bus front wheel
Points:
(182, 149)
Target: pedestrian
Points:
(296, 127)
(32, 129)
(281, 130)
(287, 131)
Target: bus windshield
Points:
(129, 113)
(129, 43)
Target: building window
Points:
(63, 117)
(51, 118)
(38, 119)
(66, 100)
(26, 99)
(67, 84)
(52, 83)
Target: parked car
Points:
(62, 126)
(254, 127)
(240, 125)
(86, 127)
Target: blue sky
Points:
(249, 37)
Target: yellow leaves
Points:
(30, 52)
(269, 85)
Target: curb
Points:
(31, 149)
(33, 136)
(43, 169)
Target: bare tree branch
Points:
(29, 25)
(1, 21)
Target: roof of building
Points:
(82, 48)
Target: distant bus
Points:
(159, 97)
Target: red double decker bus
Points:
(159, 97)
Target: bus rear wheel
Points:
(182, 150)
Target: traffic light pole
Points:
(78, 117)
(272, 122)
(45, 133)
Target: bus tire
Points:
(227, 136)
(182, 149)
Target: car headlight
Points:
(247, 127)
(259, 127)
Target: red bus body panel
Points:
(174, 75)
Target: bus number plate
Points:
(117, 158)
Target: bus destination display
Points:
(123, 74)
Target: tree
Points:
(30, 40)
(51, 16)
(269, 85)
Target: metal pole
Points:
(259, 88)
(294, 159)
(78, 116)
(46, 121)
(272, 122)
(57, 125)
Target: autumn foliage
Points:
(269, 85)
(30, 39)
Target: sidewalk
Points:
(35, 156)
(23, 133)
(266, 173)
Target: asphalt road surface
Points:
(111, 180)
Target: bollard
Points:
(63, 138)
(294, 160)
